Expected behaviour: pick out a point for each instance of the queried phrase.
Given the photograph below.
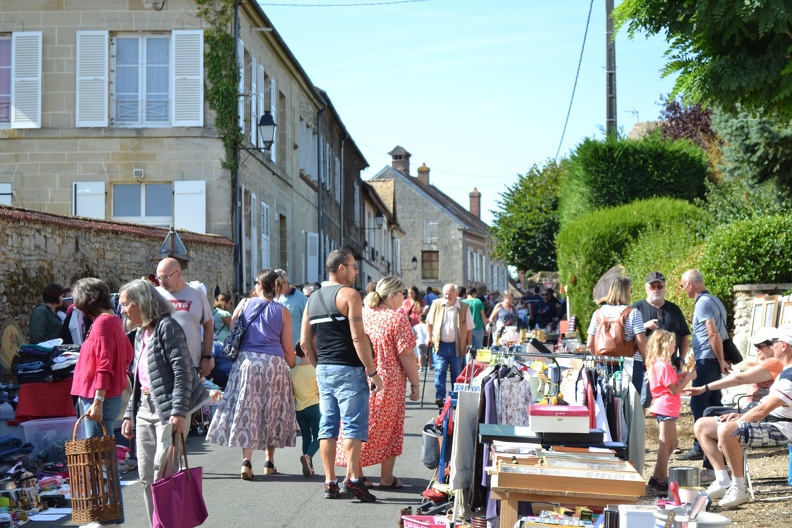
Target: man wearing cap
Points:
(658, 313)
(767, 424)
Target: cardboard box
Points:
(559, 419)
(637, 515)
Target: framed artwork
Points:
(770, 310)
(757, 322)
(786, 314)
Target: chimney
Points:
(400, 160)
(475, 203)
(423, 174)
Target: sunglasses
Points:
(656, 286)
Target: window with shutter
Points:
(430, 231)
(144, 203)
(260, 95)
(20, 80)
(357, 204)
(88, 199)
(253, 101)
(189, 205)
(6, 195)
(92, 78)
(274, 110)
(265, 235)
(187, 78)
(312, 257)
(254, 236)
(241, 87)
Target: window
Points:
(5, 194)
(265, 235)
(430, 232)
(20, 80)
(430, 265)
(89, 199)
(357, 204)
(145, 203)
(144, 71)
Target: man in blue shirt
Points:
(294, 300)
(430, 297)
(709, 327)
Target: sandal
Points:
(269, 468)
(247, 470)
(396, 484)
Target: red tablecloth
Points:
(45, 400)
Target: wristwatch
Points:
(372, 374)
(98, 398)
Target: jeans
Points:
(308, 420)
(343, 398)
(444, 359)
(110, 411)
(478, 340)
(707, 371)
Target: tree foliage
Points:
(615, 171)
(691, 122)
(726, 53)
(526, 222)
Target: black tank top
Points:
(333, 335)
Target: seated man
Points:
(767, 424)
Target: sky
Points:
(476, 89)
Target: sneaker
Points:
(734, 497)
(331, 490)
(420, 369)
(305, 460)
(693, 454)
(359, 490)
(716, 491)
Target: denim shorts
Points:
(664, 418)
(343, 398)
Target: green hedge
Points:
(615, 171)
(597, 241)
(755, 251)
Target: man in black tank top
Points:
(334, 342)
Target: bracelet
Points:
(206, 357)
(372, 374)
(706, 387)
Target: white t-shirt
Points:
(421, 335)
(192, 310)
(782, 389)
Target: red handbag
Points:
(178, 498)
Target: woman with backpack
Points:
(616, 329)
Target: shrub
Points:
(753, 251)
(597, 241)
(615, 171)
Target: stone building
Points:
(107, 118)
(383, 234)
(448, 242)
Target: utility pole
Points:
(610, 71)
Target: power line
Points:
(574, 87)
(346, 5)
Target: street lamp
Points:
(379, 218)
(414, 263)
(266, 129)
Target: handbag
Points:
(178, 498)
(231, 343)
(730, 352)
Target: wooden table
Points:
(510, 497)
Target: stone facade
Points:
(743, 297)
(39, 248)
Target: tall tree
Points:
(526, 221)
(726, 53)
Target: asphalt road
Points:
(288, 499)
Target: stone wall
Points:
(39, 248)
(744, 295)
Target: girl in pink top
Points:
(666, 386)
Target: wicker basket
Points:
(93, 478)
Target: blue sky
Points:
(476, 89)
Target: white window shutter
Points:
(188, 77)
(254, 234)
(260, 96)
(26, 79)
(88, 199)
(265, 235)
(189, 205)
(312, 257)
(484, 277)
(241, 88)
(397, 257)
(337, 179)
(273, 110)
(253, 101)
(92, 85)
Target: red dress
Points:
(390, 335)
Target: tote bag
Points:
(178, 498)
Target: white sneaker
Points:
(734, 497)
(716, 491)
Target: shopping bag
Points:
(178, 498)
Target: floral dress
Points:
(390, 335)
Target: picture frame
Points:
(757, 321)
(770, 310)
(785, 317)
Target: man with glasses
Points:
(333, 340)
(767, 424)
(193, 313)
(658, 313)
(709, 329)
(545, 311)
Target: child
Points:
(421, 337)
(666, 385)
(306, 403)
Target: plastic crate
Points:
(424, 521)
(49, 437)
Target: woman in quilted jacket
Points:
(166, 389)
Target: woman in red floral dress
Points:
(393, 343)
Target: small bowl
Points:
(688, 493)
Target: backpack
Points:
(610, 336)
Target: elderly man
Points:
(192, 313)
(658, 313)
(294, 300)
(767, 424)
(450, 328)
(709, 327)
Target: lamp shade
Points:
(266, 126)
(379, 218)
(414, 263)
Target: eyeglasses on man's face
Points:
(763, 344)
(656, 286)
(167, 277)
